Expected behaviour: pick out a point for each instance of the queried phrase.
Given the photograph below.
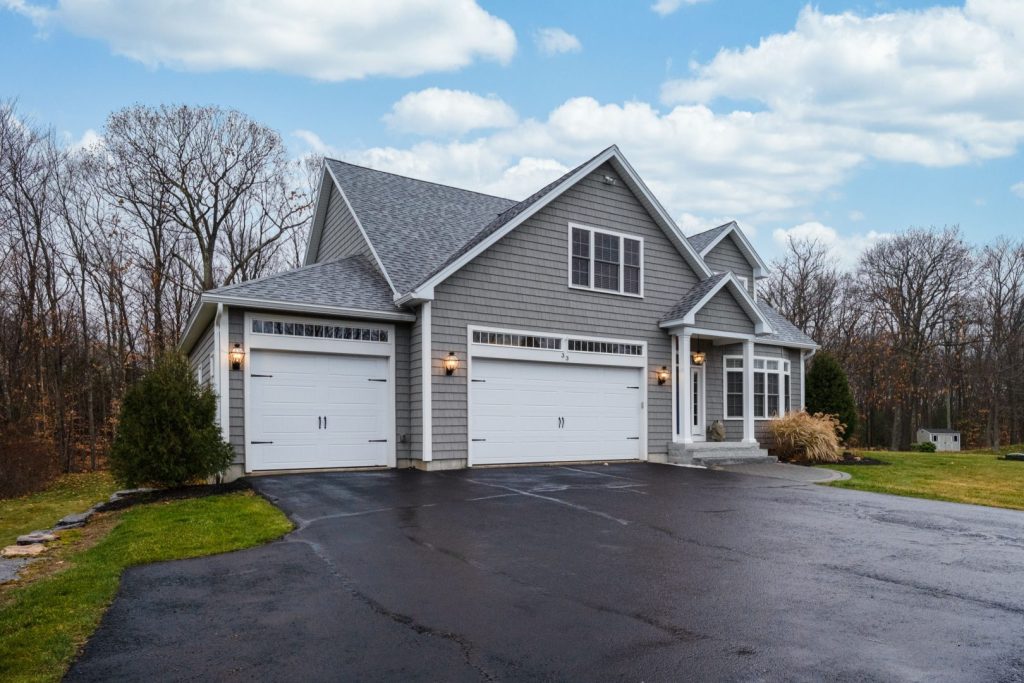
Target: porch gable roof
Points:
(685, 310)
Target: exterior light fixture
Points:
(236, 355)
(697, 357)
(662, 375)
(451, 363)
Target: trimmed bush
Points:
(924, 447)
(803, 437)
(828, 391)
(167, 434)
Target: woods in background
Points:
(104, 250)
(929, 329)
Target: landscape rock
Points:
(73, 521)
(23, 550)
(1015, 456)
(37, 537)
(9, 568)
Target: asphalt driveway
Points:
(628, 572)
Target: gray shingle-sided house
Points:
(439, 328)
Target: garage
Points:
(559, 406)
(317, 408)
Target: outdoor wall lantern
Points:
(236, 355)
(697, 357)
(662, 375)
(451, 363)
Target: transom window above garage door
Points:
(318, 331)
(593, 346)
(605, 261)
(521, 341)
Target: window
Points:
(771, 387)
(521, 341)
(956, 437)
(734, 387)
(935, 438)
(588, 346)
(344, 332)
(605, 261)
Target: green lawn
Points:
(43, 624)
(981, 479)
(70, 493)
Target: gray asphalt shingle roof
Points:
(351, 282)
(692, 298)
(782, 329)
(703, 239)
(415, 226)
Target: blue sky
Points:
(842, 121)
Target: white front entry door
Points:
(524, 411)
(316, 410)
(697, 402)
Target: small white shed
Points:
(944, 439)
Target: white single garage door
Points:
(524, 411)
(313, 410)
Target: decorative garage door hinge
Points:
(376, 380)
(479, 439)
(378, 440)
(259, 442)
(261, 375)
(477, 380)
(632, 438)
(632, 387)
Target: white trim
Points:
(760, 322)
(223, 337)
(758, 265)
(426, 384)
(702, 407)
(562, 356)
(673, 340)
(313, 309)
(345, 347)
(748, 392)
(359, 224)
(686, 431)
(593, 259)
(613, 154)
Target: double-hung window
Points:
(605, 261)
(734, 387)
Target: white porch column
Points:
(685, 391)
(748, 392)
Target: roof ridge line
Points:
(421, 180)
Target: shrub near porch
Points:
(975, 478)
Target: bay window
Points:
(771, 387)
(605, 261)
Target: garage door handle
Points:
(319, 422)
(378, 440)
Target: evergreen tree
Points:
(828, 391)
(168, 434)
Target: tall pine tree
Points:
(828, 391)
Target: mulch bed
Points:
(177, 493)
(851, 459)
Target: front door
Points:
(697, 386)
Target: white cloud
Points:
(555, 41)
(666, 7)
(856, 216)
(937, 87)
(845, 249)
(435, 110)
(1018, 189)
(314, 142)
(90, 138)
(331, 41)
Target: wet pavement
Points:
(628, 572)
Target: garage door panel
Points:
(515, 411)
(301, 388)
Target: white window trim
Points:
(785, 370)
(622, 260)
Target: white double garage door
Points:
(572, 399)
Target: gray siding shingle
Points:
(341, 235)
(726, 257)
(236, 386)
(521, 283)
(724, 313)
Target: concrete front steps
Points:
(711, 454)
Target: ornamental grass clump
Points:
(808, 438)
